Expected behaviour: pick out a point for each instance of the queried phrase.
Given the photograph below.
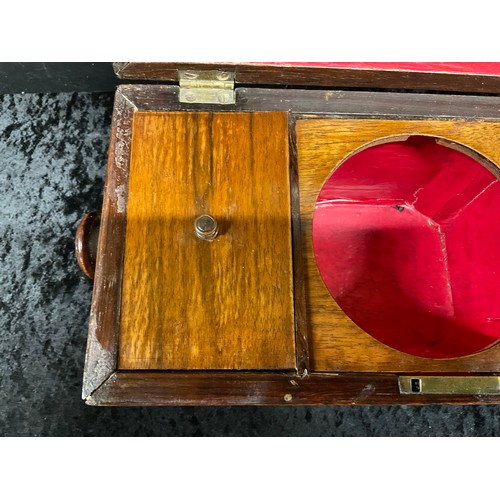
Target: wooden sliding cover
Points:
(188, 303)
(336, 342)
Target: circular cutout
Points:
(406, 236)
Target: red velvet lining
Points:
(406, 237)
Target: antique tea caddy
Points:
(269, 238)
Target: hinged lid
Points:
(473, 77)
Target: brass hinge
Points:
(206, 87)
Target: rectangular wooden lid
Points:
(470, 77)
(191, 303)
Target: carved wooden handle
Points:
(86, 239)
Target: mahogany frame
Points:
(104, 384)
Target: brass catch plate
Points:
(480, 385)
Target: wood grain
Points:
(316, 76)
(336, 343)
(131, 388)
(397, 105)
(303, 366)
(102, 341)
(188, 303)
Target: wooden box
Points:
(266, 245)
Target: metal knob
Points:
(205, 227)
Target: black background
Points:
(33, 77)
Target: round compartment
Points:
(406, 236)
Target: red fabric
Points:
(477, 68)
(406, 238)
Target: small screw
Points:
(191, 75)
(190, 96)
(222, 75)
(205, 227)
(288, 398)
(223, 97)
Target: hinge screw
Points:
(222, 75)
(191, 75)
(190, 96)
(223, 98)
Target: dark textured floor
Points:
(52, 160)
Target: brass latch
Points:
(478, 385)
(206, 87)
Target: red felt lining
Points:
(405, 236)
(472, 68)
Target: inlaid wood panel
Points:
(188, 303)
(335, 342)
